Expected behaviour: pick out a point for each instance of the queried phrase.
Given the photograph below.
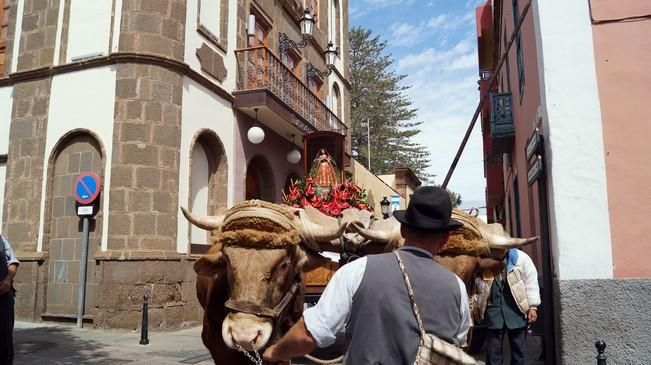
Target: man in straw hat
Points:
(369, 298)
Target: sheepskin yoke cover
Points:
(256, 223)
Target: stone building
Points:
(156, 97)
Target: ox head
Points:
(262, 248)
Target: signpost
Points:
(86, 191)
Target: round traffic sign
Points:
(87, 187)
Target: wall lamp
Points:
(330, 55)
(307, 24)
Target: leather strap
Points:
(412, 299)
(258, 310)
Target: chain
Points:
(257, 360)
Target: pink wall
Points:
(622, 58)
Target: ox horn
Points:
(381, 236)
(209, 223)
(497, 238)
(314, 232)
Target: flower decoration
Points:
(305, 192)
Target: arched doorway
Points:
(76, 153)
(260, 180)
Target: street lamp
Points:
(294, 155)
(384, 206)
(255, 134)
(307, 24)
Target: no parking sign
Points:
(86, 190)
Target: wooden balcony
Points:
(284, 102)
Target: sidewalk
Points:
(49, 344)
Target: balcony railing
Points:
(259, 68)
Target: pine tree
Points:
(379, 105)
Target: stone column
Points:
(147, 133)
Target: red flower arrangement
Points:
(303, 193)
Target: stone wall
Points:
(145, 161)
(153, 27)
(616, 311)
(25, 163)
(170, 285)
(30, 284)
(38, 34)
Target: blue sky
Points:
(434, 43)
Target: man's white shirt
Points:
(330, 315)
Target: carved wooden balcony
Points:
(284, 102)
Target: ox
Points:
(249, 281)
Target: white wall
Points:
(202, 110)
(193, 41)
(199, 192)
(580, 226)
(17, 37)
(89, 29)
(6, 102)
(3, 176)
(90, 109)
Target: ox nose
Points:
(246, 337)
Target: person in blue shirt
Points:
(8, 267)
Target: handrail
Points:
(259, 68)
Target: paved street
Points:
(48, 344)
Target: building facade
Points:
(565, 131)
(156, 97)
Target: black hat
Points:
(430, 208)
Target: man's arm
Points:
(5, 285)
(297, 342)
(464, 308)
(320, 324)
(12, 266)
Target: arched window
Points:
(199, 191)
(336, 100)
(208, 182)
(260, 180)
(336, 16)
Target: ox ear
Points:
(311, 260)
(210, 264)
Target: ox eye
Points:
(283, 266)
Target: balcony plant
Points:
(305, 192)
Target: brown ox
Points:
(249, 281)
(472, 250)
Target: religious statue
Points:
(325, 170)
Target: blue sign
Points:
(395, 202)
(87, 187)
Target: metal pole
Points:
(491, 82)
(368, 141)
(83, 264)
